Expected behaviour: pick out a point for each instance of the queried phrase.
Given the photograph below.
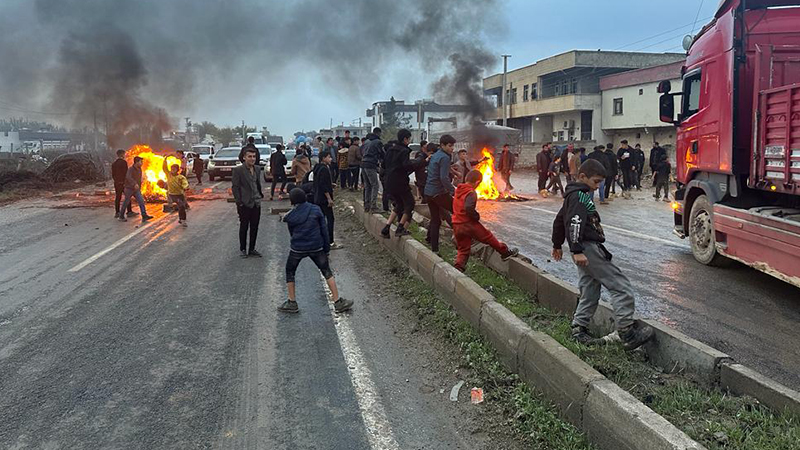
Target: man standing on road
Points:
(439, 189)
(251, 144)
(566, 158)
(371, 158)
(506, 167)
(246, 180)
(543, 160)
(354, 158)
(277, 168)
(119, 170)
(600, 156)
(638, 166)
(611, 175)
(133, 188)
(655, 158)
(574, 163)
(625, 155)
(323, 192)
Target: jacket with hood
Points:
(308, 229)
(372, 152)
(578, 221)
(464, 203)
(625, 162)
(323, 184)
(602, 158)
(398, 166)
(543, 160)
(354, 156)
(301, 165)
(277, 163)
(612, 158)
(119, 170)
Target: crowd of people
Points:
(624, 168)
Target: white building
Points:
(422, 117)
(630, 106)
(10, 142)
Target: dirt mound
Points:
(23, 179)
(74, 166)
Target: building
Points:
(10, 142)
(630, 106)
(422, 117)
(558, 99)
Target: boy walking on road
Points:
(246, 180)
(309, 238)
(133, 188)
(176, 189)
(663, 169)
(467, 226)
(579, 223)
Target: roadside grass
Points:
(708, 415)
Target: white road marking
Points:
(125, 239)
(619, 230)
(379, 431)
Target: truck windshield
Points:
(691, 94)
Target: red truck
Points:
(738, 138)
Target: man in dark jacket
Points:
(277, 168)
(246, 188)
(600, 156)
(506, 166)
(119, 170)
(543, 160)
(625, 157)
(439, 189)
(655, 158)
(399, 165)
(133, 188)
(611, 176)
(371, 158)
(251, 144)
(638, 166)
(323, 192)
(309, 238)
(579, 224)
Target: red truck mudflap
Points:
(759, 239)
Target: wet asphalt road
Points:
(170, 340)
(749, 315)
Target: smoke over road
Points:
(129, 62)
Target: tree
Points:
(227, 135)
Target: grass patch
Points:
(708, 415)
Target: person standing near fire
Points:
(246, 188)
(506, 167)
(399, 166)
(439, 190)
(198, 166)
(133, 188)
(119, 170)
(543, 160)
(176, 189)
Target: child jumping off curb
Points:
(579, 223)
(309, 238)
(467, 226)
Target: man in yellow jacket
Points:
(176, 189)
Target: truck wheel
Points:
(701, 233)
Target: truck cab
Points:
(738, 138)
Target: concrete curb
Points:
(745, 381)
(540, 360)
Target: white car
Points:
(205, 151)
(221, 164)
(289, 153)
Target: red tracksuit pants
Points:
(465, 233)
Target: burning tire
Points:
(702, 235)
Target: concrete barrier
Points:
(744, 381)
(675, 352)
(445, 277)
(426, 260)
(525, 275)
(557, 294)
(411, 250)
(470, 298)
(614, 419)
(505, 331)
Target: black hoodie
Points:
(577, 220)
(398, 166)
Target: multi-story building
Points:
(558, 99)
(422, 117)
(630, 106)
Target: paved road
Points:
(741, 311)
(113, 336)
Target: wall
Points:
(638, 111)
(9, 140)
(665, 136)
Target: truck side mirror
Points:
(666, 108)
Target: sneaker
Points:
(146, 217)
(336, 246)
(603, 202)
(289, 307)
(116, 215)
(582, 336)
(184, 224)
(342, 305)
(400, 232)
(666, 199)
(122, 219)
(657, 199)
(243, 253)
(511, 253)
(254, 253)
(385, 232)
(634, 336)
(132, 214)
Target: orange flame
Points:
(487, 189)
(152, 170)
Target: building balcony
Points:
(548, 105)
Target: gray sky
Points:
(304, 63)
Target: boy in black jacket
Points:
(579, 223)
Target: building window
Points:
(574, 85)
(558, 89)
(514, 96)
(564, 87)
(617, 106)
(525, 93)
(641, 91)
(561, 135)
(534, 91)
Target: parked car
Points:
(222, 163)
(264, 151)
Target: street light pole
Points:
(504, 95)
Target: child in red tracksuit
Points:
(467, 226)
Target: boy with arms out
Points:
(579, 223)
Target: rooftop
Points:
(642, 76)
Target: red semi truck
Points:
(738, 138)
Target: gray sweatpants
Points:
(371, 187)
(602, 272)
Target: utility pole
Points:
(504, 94)
(243, 134)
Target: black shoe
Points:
(254, 253)
(582, 336)
(400, 232)
(385, 232)
(511, 253)
(132, 214)
(116, 215)
(243, 253)
(122, 219)
(289, 307)
(634, 336)
(146, 217)
(342, 305)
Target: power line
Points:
(697, 15)
(662, 33)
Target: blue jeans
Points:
(601, 190)
(139, 199)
